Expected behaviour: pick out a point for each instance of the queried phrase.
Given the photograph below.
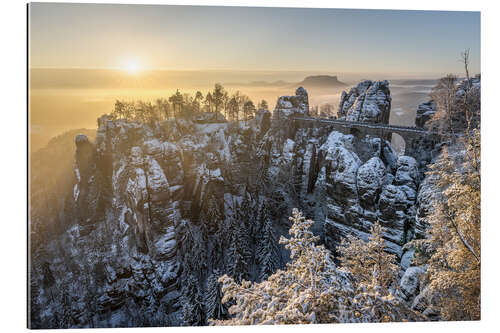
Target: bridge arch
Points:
(398, 142)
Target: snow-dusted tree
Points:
(208, 102)
(268, 252)
(192, 303)
(218, 97)
(453, 245)
(458, 103)
(368, 261)
(214, 213)
(213, 298)
(199, 250)
(192, 242)
(233, 109)
(310, 290)
(248, 110)
(239, 254)
(374, 274)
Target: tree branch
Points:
(462, 238)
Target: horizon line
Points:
(239, 70)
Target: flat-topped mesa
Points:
(290, 106)
(367, 102)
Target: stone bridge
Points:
(417, 139)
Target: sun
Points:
(132, 67)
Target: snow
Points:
(369, 179)
(216, 174)
(76, 192)
(288, 148)
(368, 101)
(157, 180)
(336, 139)
(176, 188)
(410, 281)
(136, 156)
(77, 173)
(152, 147)
(407, 258)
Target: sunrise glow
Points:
(132, 67)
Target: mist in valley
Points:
(68, 99)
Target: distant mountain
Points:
(314, 81)
(321, 81)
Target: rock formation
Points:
(367, 102)
(156, 205)
(424, 112)
(321, 82)
(289, 106)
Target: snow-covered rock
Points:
(424, 112)
(409, 284)
(288, 106)
(369, 181)
(367, 102)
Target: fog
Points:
(66, 99)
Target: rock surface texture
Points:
(288, 106)
(424, 112)
(367, 102)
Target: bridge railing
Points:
(368, 125)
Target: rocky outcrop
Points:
(424, 112)
(289, 106)
(409, 285)
(361, 188)
(368, 102)
(263, 121)
(370, 179)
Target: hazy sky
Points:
(187, 37)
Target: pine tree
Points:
(238, 267)
(268, 252)
(200, 250)
(213, 298)
(214, 214)
(311, 290)
(374, 273)
(239, 250)
(192, 303)
(263, 105)
(368, 261)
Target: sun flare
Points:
(132, 67)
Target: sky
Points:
(245, 38)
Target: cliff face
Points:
(157, 207)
